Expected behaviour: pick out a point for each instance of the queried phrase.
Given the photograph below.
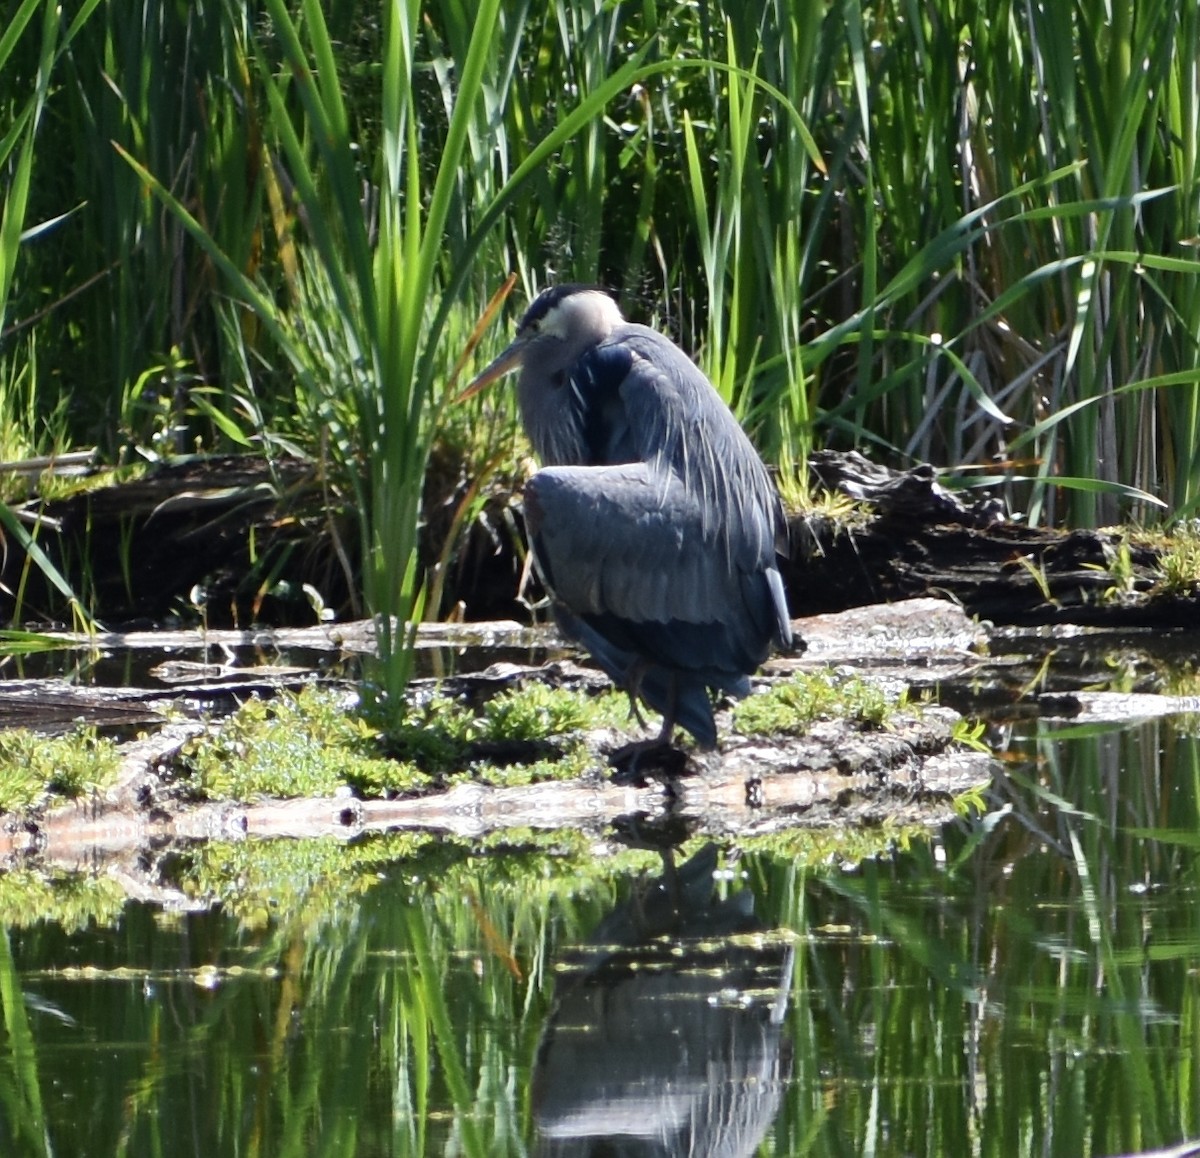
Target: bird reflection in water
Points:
(666, 1035)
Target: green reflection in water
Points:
(1022, 984)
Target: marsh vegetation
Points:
(247, 252)
(963, 235)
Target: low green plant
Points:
(1179, 563)
(159, 404)
(315, 743)
(1037, 572)
(969, 734)
(1118, 566)
(309, 744)
(537, 711)
(793, 706)
(573, 762)
(35, 769)
(840, 511)
(532, 711)
(433, 735)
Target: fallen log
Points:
(922, 540)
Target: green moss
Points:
(527, 712)
(439, 735)
(534, 711)
(793, 706)
(309, 744)
(577, 761)
(571, 763)
(434, 735)
(315, 744)
(35, 768)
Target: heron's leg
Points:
(668, 724)
(632, 686)
(635, 709)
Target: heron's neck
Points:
(552, 419)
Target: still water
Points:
(1023, 981)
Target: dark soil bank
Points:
(243, 537)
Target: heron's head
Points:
(561, 324)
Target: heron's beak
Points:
(510, 359)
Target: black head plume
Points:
(548, 299)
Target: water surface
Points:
(1024, 981)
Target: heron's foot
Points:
(640, 761)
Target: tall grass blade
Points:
(23, 1098)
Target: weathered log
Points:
(923, 540)
(835, 772)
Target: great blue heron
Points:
(653, 521)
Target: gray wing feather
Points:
(678, 421)
(620, 540)
(628, 548)
(679, 424)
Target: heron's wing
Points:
(679, 412)
(645, 401)
(625, 548)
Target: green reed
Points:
(20, 1086)
(962, 233)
